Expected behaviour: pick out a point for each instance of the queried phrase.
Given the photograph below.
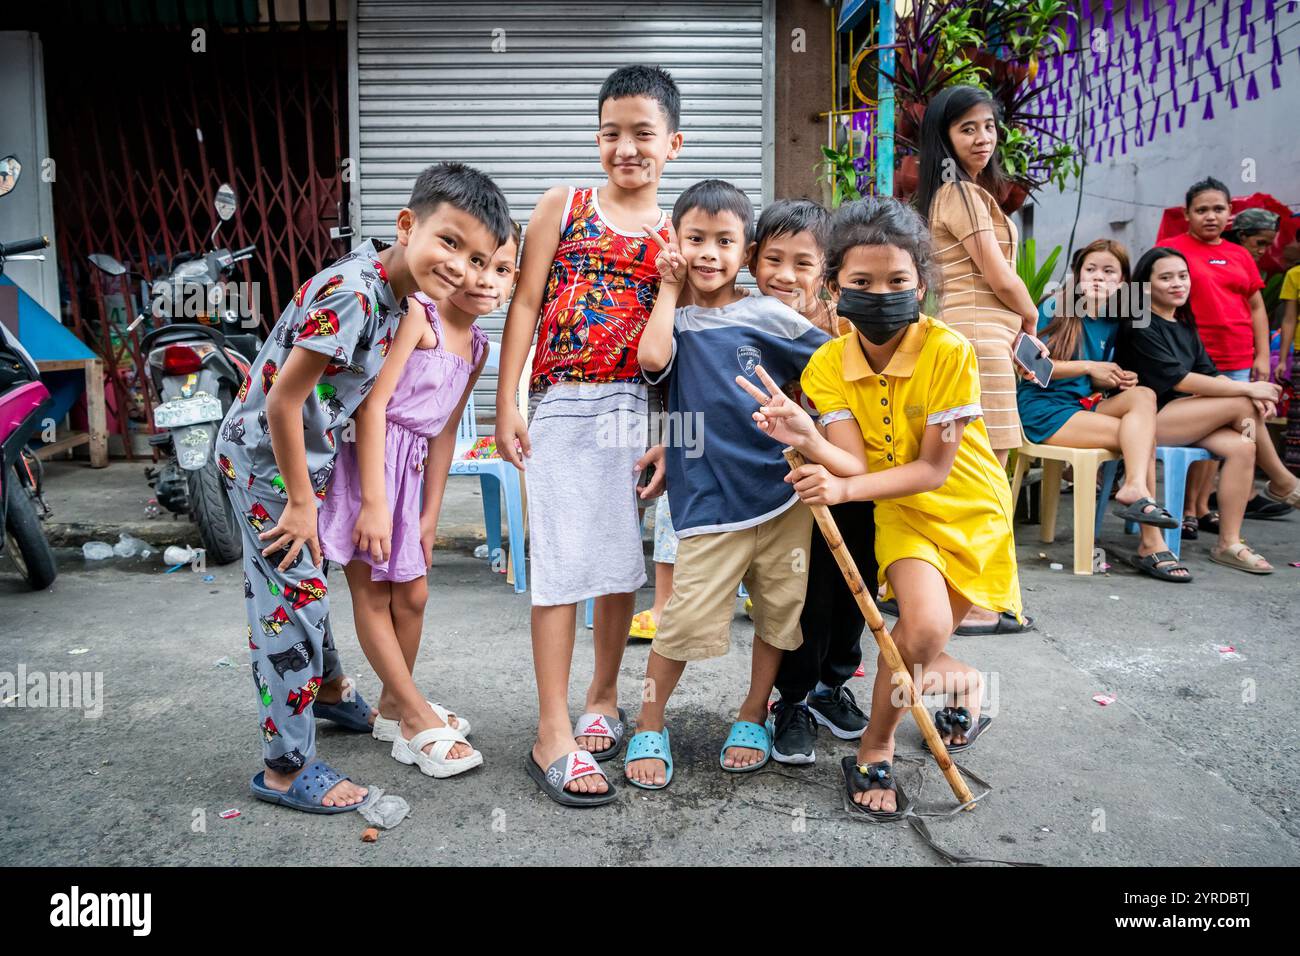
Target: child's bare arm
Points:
(436, 464)
(939, 444)
(373, 531)
(284, 403)
(655, 350)
(540, 243)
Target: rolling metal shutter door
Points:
(427, 86)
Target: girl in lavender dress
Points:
(380, 515)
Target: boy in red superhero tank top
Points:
(586, 287)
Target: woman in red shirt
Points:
(1230, 316)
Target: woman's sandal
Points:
(607, 726)
(436, 762)
(1208, 522)
(957, 720)
(386, 730)
(1137, 511)
(863, 778)
(308, 790)
(745, 733)
(1151, 564)
(1191, 529)
(1292, 498)
(563, 770)
(1232, 557)
(650, 745)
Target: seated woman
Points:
(1079, 325)
(1198, 406)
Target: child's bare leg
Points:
(928, 612)
(373, 606)
(611, 619)
(408, 622)
(552, 656)
(762, 677)
(661, 676)
(663, 589)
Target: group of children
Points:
(348, 427)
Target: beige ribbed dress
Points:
(970, 305)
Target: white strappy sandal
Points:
(386, 730)
(435, 763)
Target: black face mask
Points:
(879, 315)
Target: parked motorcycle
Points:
(197, 361)
(24, 405)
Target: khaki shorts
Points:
(772, 560)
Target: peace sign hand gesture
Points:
(779, 417)
(670, 262)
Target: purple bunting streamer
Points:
(1277, 80)
(1167, 130)
(1128, 18)
(1232, 94)
(1173, 11)
(1146, 9)
(1218, 79)
(1250, 40)
(1182, 116)
(1196, 89)
(1209, 109)
(1252, 88)
(1191, 11)
(1276, 59)
(1245, 16)
(1223, 26)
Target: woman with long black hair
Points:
(975, 247)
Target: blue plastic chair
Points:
(495, 475)
(1174, 461)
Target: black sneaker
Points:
(839, 712)
(794, 735)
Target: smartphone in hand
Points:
(1028, 353)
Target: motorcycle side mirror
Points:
(106, 263)
(10, 169)
(225, 201)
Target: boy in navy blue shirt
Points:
(735, 515)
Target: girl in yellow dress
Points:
(899, 400)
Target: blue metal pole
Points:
(885, 99)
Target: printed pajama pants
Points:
(289, 638)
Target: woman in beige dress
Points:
(975, 245)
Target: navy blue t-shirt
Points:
(723, 473)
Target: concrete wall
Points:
(1123, 198)
(803, 89)
(28, 210)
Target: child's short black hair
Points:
(788, 217)
(715, 196)
(465, 188)
(648, 81)
(881, 221)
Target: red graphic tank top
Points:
(602, 286)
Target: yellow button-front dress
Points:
(964, 527)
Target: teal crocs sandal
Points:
(650, 745)
(745, 733)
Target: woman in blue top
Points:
(1093, 403)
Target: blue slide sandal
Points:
(745, 733)
(650, 744)
(351, 714)
(307, 790)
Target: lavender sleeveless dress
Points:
(425, 397)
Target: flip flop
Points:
(603, 725)
(1158, 517)
(863, 778)
(650, 744)
(1208, 522)
(307, 790)
(553, 780)
(351, 714)
(1191, 528)
(1005, 624)
(386, 730)
(745, 733)
(1149, 564)
(948, 720)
